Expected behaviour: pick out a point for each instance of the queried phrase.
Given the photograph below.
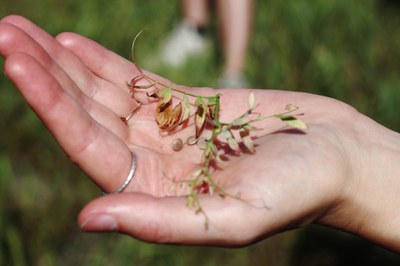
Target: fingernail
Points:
(100, 223)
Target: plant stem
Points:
(178, 90)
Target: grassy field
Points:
(346, 49)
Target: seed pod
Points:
(192, 140)
(167, 116)
(177, 144)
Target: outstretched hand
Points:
(79, 90)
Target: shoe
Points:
(185, 41)
(232, 81)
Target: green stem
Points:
(178, 90)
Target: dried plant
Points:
(171, 115)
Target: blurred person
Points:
(188, 38)
(343, 172)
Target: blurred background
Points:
(345, 49)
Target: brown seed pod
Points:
(177, 144)
(168, 117)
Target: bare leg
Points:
(195, 12)
(235, 17)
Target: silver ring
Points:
(129, 178)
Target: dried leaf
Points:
(203, 188)
(211, 111)
(247, 141)
(200, 119)
(175, 115)
(168, 117)
(162, 113)
(212, 104)
(153, 95)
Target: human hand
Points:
(78, 89)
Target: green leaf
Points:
(190, 201)
(186, 108)
(213, 100)
(219, 162)
(214, 148)
(250, 127)
(247, 141)
(224, 134)
(252, 104)
(165, 95)
(240, 121)
(197, 173)
(292, 121)
(199, 101)
(207, 151)
(233, 144)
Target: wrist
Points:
(369, 207)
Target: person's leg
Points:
(235, 19)
(195, 12)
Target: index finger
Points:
(90, 145)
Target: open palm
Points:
(78, 88)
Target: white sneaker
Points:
(184, 42)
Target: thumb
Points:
(169, 220)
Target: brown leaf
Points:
(211, 111)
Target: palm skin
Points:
(78, 89)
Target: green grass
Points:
(346, 49)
